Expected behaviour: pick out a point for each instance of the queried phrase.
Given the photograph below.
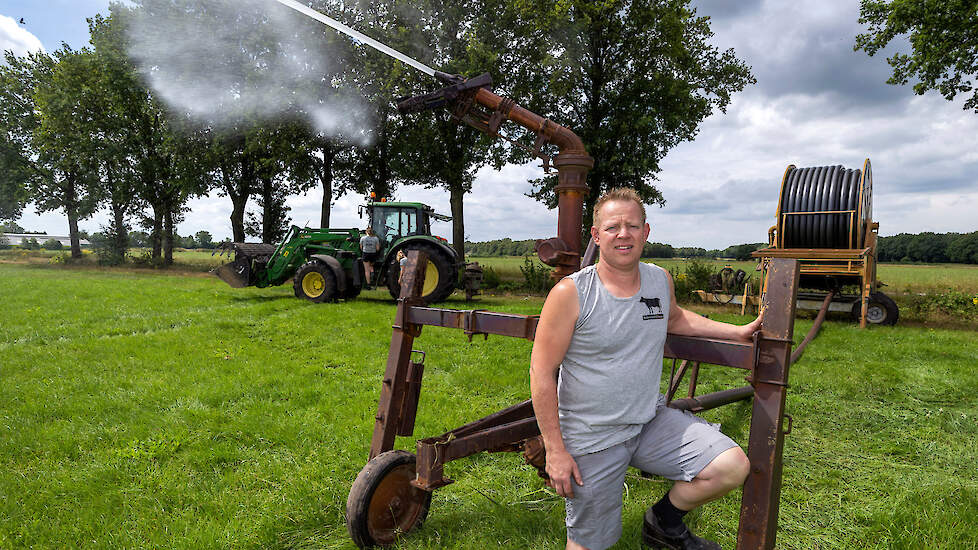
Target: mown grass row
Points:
(144, 410)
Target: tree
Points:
(632, 78)
(13, 182)
(463, 37)
(163, 152)
(42, 120)
(12, 227)
(964, 249)
(742, 251)
(943, 37)
(52, 244)
(204, 239)
(657, 250)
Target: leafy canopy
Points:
(632, 78)
(943, 37)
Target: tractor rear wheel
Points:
(315, 282)
(383, 504)
(439, 278)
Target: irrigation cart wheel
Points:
(882, 310)
(439, 277)
(383, 504)
(315, 282)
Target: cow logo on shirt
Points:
(655, 308)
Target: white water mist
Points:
(231, 62)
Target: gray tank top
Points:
(608, 384)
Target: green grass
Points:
(154, 410)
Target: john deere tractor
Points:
(325, 264)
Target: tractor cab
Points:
(392, 221)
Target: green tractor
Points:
(325, 264)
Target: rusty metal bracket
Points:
(501, 113)
(469, 323)
(750, 380)
(538, 144)
(411, 329)
(790, 422)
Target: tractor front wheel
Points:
(439, 277)
(383, 504)
(315, 282)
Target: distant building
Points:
(17, 239)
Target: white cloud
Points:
(17, 39)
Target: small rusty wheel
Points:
(383, 504)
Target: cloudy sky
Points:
(816, 102)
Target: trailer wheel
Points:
(439, 278)
(315, 282)
(383, 504)
(882, 310)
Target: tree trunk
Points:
(239, 192)
(120, 237)
(458, 219)
(73, 231)
(71, 210)
(156, 236)
(167, 237)
(117, 203)
(268, 217)
(237, 217)
(326, 177)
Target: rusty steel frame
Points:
(766, 359)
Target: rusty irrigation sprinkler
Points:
(472, 101)
(392, 493)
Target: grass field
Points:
(898, 277)
(149, 410)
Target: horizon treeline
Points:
(926, 247)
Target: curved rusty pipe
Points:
(572, 163)
(816, 326)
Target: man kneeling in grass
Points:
(594, 380)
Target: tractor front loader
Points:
(326, 264)
(322, 263)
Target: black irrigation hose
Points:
(822, 189)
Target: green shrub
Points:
(536, 277)
(4, 242)
(52, 244)
(30, 244)
(951, 302)
(61, 259)
(490, 279)
(146, 259)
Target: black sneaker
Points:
(653, 535)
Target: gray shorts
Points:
(675, 444)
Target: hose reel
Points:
(825, 221)
(825, 207)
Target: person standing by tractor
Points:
(594, 382)
(370, 248)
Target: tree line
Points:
(929, 247)
(509, 247)
(924, 247)
(89, 129)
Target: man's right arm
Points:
(553, 336)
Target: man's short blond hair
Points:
(618, 194)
